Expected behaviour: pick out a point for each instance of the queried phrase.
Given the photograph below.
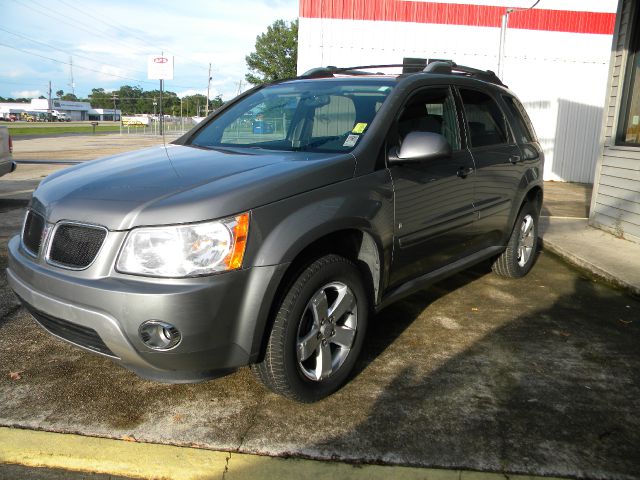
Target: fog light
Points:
(159, 335)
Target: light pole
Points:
(155, 103)
(181, 117)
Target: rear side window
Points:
(485, 121)
(519, 114)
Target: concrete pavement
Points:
(565, 231)
(536, 375)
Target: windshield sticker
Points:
(351, 141)
(359, 128)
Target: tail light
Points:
(10, 145)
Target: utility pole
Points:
(503, 41)
(49, 104)
(239, 87)
(208, 87)
(72, 84)
(114, 105)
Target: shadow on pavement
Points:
(554, 392)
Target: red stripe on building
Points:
(459, 14)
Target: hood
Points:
(181, 184)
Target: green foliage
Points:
(276, 54)
(131, 100)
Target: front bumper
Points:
(221, 317)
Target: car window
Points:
(335, 118)
(485, 121)
(266, 122)
(520, 117)
(315, 116)
(431, 110)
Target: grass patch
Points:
(19, 130)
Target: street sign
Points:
(160, 67)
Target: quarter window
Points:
(485, 121)
(520, 117)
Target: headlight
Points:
(185, 250)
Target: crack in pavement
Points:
(251, 424)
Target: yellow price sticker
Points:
(359, 128)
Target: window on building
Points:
(629, 130)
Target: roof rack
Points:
(447, 67)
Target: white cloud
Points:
(26, 94)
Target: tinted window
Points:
(431, 110)
(485, 121)
(521, 118)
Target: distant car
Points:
(230, 247)
(6, 151)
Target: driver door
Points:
(434, 210)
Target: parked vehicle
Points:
(60, 116)
(6, 151)
(230, 247)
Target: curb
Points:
(145, 460)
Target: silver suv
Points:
(270, 233)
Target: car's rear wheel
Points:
(317, 333)
(520, 254)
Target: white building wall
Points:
(561, 77)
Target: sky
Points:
(108, 43)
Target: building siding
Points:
(615, 203)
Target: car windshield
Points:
(314, 116)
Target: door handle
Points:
(514, 159)
(464, 171)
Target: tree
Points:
(69, 97)
(276, 54)
(100, 99)
(59, 93)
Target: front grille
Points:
(32, 233)
(76, 246)
(83, 336)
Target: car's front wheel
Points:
(317, 332)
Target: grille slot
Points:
(82, 336)
(75, 246)
(32, 232)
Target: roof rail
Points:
(446, 67)
(357, 70)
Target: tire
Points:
(307, 332)
(520, 254)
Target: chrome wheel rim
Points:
(326, 331)
(526, 240)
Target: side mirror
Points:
(420, 146)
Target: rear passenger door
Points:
(498, 165)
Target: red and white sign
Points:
(160, 67)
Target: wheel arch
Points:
(358, 245)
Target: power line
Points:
(87, 68)
(69, 21)
(61, 50)
(130, 32)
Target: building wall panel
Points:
(615, 203)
